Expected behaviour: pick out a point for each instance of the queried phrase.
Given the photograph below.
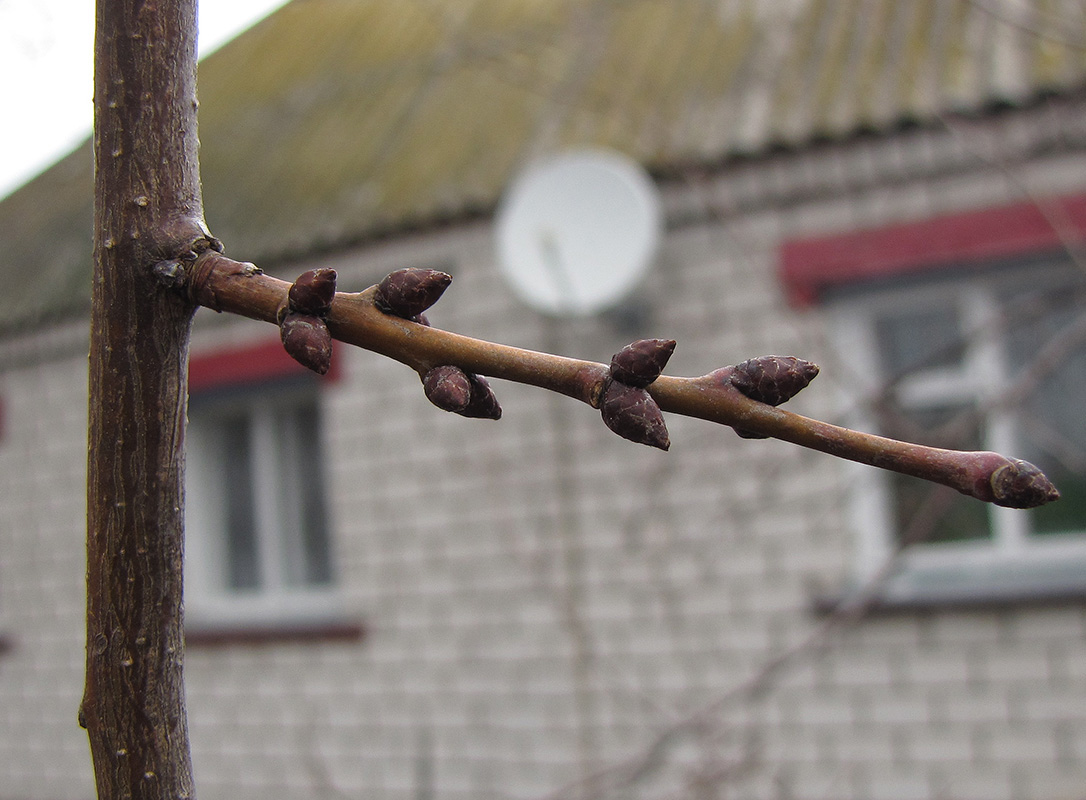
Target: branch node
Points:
(209, 263)
(173, 273)
(301, 317)
(170, 273)
(772, 380)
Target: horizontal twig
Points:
(241, 288)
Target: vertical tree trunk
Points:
(147, 210)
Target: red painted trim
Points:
(238, 366)
(327, 632)
(810, 266)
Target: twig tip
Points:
(1020, 484)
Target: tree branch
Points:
(147, 208)
(358, 318)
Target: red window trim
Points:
(328, 632)
(251, 364)
(809, 266)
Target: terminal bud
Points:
(1019, 484)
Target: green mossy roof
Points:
(336, 120)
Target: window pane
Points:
(242, 558)
(1047, 350)
(314, 520)
(918, 339)
(306, 551)
(1069, 514)
(265, 512)
(954, 518)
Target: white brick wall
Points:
(523, 626)
(43, 753)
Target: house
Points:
(387, 601)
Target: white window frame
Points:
(1011, 565)
(280, 600)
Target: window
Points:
(258, 544)
(981, 360)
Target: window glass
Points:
(1046, 345)
(260, 501)
(1014, 369)
(308, 559)
(989, 360)
(236, 458)
(978, 359)
(920, 515)
(923, 338)
(915, 341)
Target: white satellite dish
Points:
(577, 232)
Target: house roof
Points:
(337, 120)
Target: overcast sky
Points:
(46, 51)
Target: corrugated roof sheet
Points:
(333, 120)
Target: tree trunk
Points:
(147, 211)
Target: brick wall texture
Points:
(551, 611)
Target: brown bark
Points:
(147, 209)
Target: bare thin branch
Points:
(355, 318)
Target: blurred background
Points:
(387, 601)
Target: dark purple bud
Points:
(448, 388)
(745, 434)
(1019, 484)
(307, 340)
(773, 379)
(640, 363)
(483, 404)
(631, 412)
(312, 293)
(408, 292)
